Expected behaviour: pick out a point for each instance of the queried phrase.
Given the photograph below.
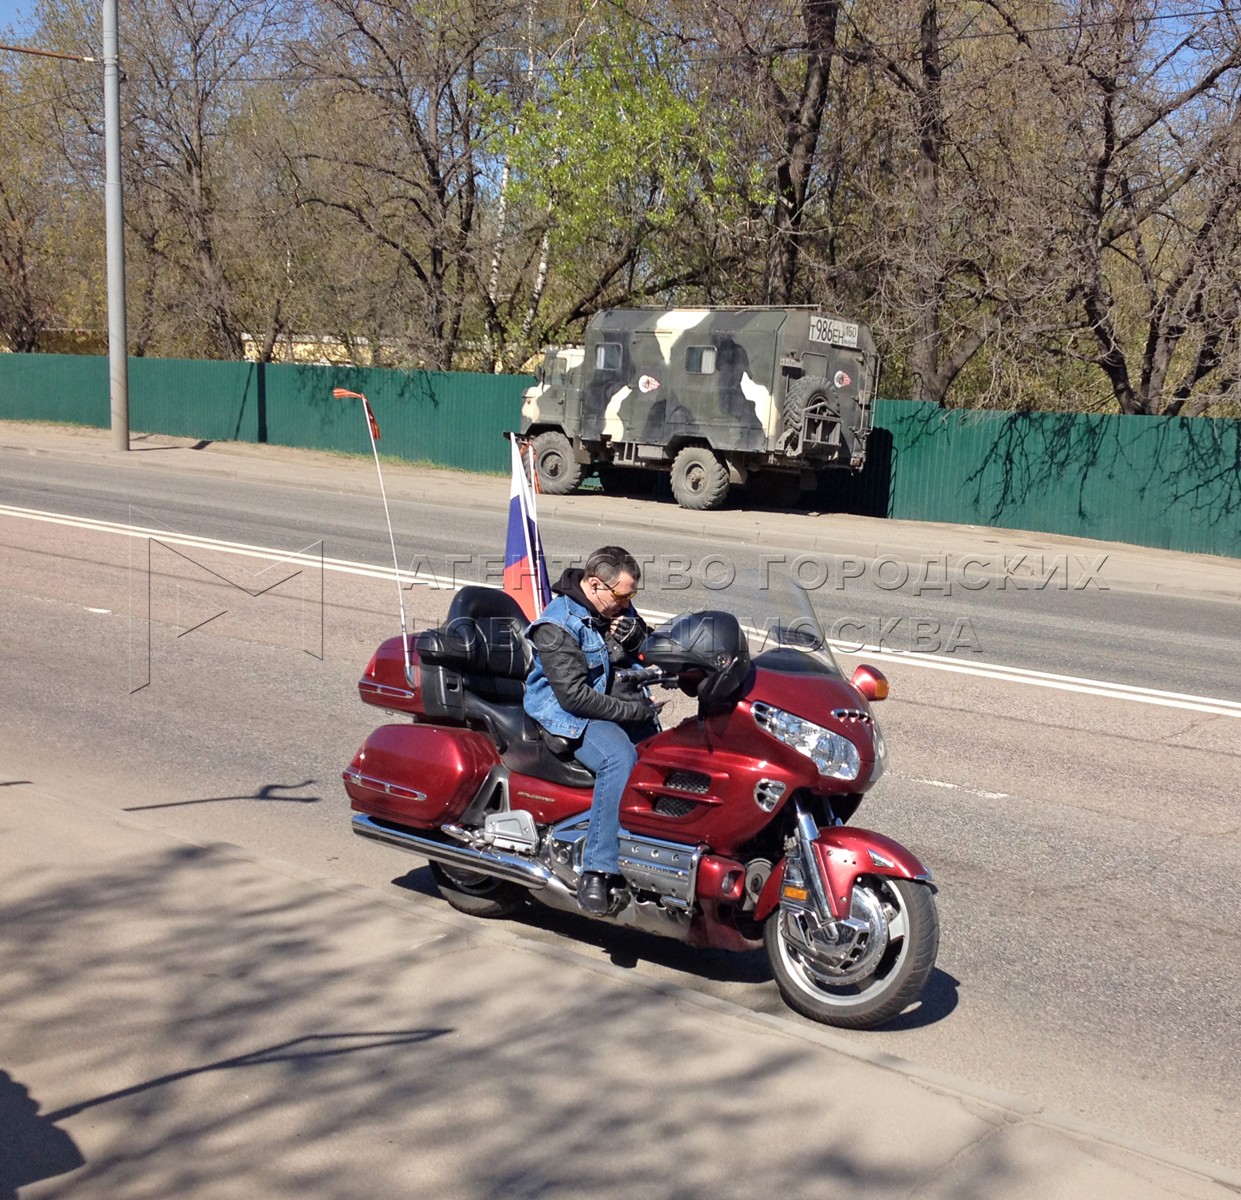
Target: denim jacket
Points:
(540, 700)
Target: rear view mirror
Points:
(871, 682)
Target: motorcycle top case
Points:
(418, 775)
(385, 684)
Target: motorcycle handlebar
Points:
(646, 675)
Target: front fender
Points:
(844, 852)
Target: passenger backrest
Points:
(483, 635)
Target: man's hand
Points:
(626, 631)
(628, 689)
(642, 710)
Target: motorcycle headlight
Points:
(835, 756)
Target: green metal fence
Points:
(451, 419)
(1153, 481)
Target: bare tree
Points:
(190, 244)
(41, 219)
(407, 76)
(1152, 193)
(783, 73)
(184, 62)
(24, 311)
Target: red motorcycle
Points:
(733, 822)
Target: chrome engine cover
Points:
(669, 869)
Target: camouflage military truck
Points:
(713, 396)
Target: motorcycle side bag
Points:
(418, 775)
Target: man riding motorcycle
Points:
(584, 633)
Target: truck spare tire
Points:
(801, 395)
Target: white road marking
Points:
(341, 566)
(995, 671)
(1064, 683)
(958, 787)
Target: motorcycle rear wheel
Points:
(898, 977)
(476, 894)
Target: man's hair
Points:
(609, 563)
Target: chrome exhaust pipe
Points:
(509, 867)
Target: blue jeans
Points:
(608, 750)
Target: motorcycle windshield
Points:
(796, 649)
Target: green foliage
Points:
(608, 145)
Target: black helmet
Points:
(706, 650)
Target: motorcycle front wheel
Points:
(477, 894)
(826, 990)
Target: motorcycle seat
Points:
(483, 646)
(471, 646)
(525, 746)
(543, 755)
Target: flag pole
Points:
(532, 573)
(372, 427)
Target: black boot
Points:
(592, 893)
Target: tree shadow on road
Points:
(266, 792)
(202, 1024)
(626, 947)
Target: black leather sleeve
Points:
(567, 672)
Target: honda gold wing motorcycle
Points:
(734, 829)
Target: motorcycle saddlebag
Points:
(418, 775)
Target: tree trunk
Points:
(797, 163)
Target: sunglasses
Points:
(619, 597)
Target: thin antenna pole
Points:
(372, 428)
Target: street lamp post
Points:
(114, 218)
(114, 221)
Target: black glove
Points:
(642, 710)
(628, 632)
(627, 689)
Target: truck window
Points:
(700, 360)
(608, 356)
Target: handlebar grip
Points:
(639, 674)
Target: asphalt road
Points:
(1087, 848)
(1057, 605)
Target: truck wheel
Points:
(699, 479)
(558, 471)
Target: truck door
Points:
(604, 374)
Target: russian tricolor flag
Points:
(525, 570)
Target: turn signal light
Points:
(794, 893)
